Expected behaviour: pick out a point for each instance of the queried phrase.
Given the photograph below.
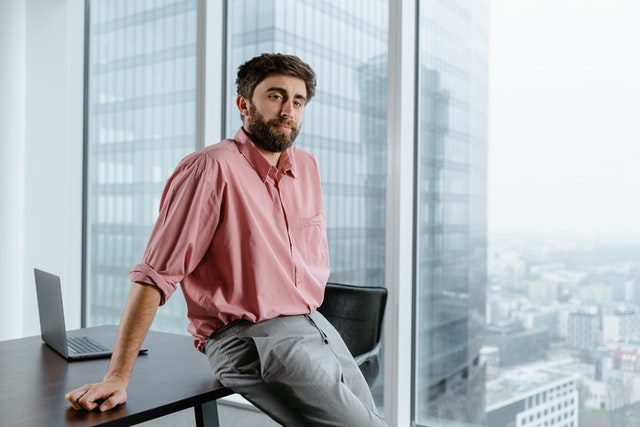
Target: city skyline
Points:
(570, 307)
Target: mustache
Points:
(286, 122)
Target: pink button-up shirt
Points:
(244, 239)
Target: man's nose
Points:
(287, 109)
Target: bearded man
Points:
(241, 228)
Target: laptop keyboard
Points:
(84, 345)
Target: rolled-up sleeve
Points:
(189, 215)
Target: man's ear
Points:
(243, 105)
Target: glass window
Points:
(541, 297)
(451, 198)
(141, 122)
(344, 126)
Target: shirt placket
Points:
(277, 197)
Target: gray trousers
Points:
(296, 369)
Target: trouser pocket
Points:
(234, 359)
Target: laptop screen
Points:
(51, 312)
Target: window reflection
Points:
(344, 125)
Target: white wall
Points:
(46, 215)
(12, 161)
(53, 184)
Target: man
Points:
(241, 227)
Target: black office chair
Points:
(356, 312)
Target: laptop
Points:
(54, 333)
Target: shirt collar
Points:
(262, 166)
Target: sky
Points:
(564, 116)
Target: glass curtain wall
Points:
(141, 120)
(449, 379)
(345, 123)
(141, 106)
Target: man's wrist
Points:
(117, 378)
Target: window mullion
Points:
(400, 211)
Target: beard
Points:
(266, 135)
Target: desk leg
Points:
(207, 414)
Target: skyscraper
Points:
(451, 223)
(141, 105)
(345, 124)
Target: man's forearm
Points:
(139, 311)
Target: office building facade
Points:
(345, 123)
(517, 344)
(621, 326)
(451, 221)
(533, 397)
(584, 331)
(140, 121)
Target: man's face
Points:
(275, 112)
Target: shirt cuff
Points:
(144, 273)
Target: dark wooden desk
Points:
(173, 376)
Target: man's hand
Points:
(111, 393)
(136, 318)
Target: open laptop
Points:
(52, 327)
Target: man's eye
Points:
(275, 97)
(298, 103)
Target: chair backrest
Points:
(356, 312)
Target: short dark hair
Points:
(255, 70)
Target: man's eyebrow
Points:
(283, 91)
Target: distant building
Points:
(490, 357)
(621, 326)
(596, 292)
(602, 386)
(501, 306)
(562, 316)
(545, 317)
(621, 390)
(632, 290)
(543, 291)
(627, 359)
(533, 397)
(498, 310)
(612, 278)
(507, 270)
(584, 331)
(516, 344)
(542, 269)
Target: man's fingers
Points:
(88, 397)
(116, 399)
(74, 405)
(98, 392)
(78, 392)
(74, 395)
(87, 404)
(87, 401)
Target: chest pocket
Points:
(314, 241)
(312, 221)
